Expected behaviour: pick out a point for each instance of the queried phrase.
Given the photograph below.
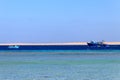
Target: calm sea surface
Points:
(60, 65)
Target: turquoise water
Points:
(60, 65)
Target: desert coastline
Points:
(112, 43)
(66, 43)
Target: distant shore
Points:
(69, 43)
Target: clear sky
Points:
(59, 20)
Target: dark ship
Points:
(97, 44)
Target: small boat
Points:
(13, 46)
(98, 44)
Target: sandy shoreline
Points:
(71, 43)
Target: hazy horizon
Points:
(59, 21)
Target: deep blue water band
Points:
(59, 47)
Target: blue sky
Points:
(59, 20)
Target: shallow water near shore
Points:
(60, 65)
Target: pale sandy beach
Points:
(69, 43)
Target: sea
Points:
(60, 65)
